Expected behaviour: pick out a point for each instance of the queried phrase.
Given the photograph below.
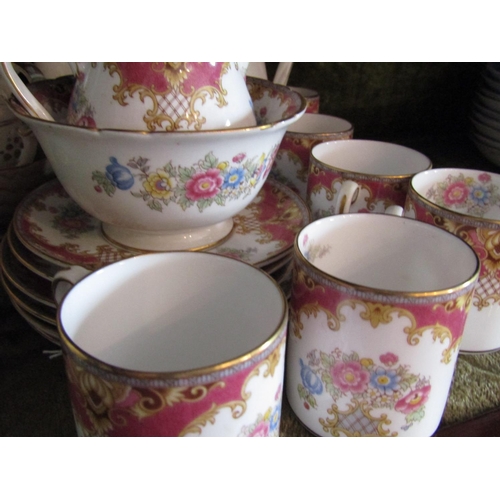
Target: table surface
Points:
(35, 397)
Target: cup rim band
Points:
(349, 174)
(473, 220)
(381, 295)
(178, 378)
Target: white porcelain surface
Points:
(193, 319)
(391, 264)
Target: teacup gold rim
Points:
(351, 173)
(453, 213)
(12, 105)
(408, 176)
(104, 367)
(347, 131)
(380, 291)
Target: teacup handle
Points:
(65, 280)
(29, 102)
(395, 210)
(347, 196)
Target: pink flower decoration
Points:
(456, 193)
(414, 400)
(350, 376)
(204, 185)
(239, 158)
(389, 359)
(261, 430)
(263, 112)
(484, 177)
(86, 121)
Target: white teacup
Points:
(360, 176)
(377, 313)
(467, 203)
(174, 344)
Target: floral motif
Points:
(266, 425)
(72, 221)
(208, 181)
(465, 193)
(349, 376)
(314, 251)
(414, 400)
(367, 384)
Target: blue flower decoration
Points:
(275, 418)
(384, 380)
(234, 177)
(310, 380)
(118, 175)
(479, 195)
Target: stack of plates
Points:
(50, 232)
(485, 115)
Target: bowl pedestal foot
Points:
(200, 238)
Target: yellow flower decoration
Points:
(366, 362)
(160, 185)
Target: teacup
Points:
(467, 203)
(360, 176)
(173, 344)
(311, 96)
(291, 165)
(377, 313)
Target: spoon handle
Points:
(282, 73)
(21, 92)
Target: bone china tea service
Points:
(467, 204)
(149, 352)
(377, 312)
(360, 176)
(169, 190)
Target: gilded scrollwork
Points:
(369, 426)
(177, 75)
(237, 407)
(377, 314)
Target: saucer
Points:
(43, 267)
(31, 306)
(51, 225)
(44, 329)
(27, 282)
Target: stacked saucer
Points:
(485, 115)
(50, 232)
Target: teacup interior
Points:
(172, 312)
(387, 253)
(467, 192)
(371, 157)
(311, 123)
